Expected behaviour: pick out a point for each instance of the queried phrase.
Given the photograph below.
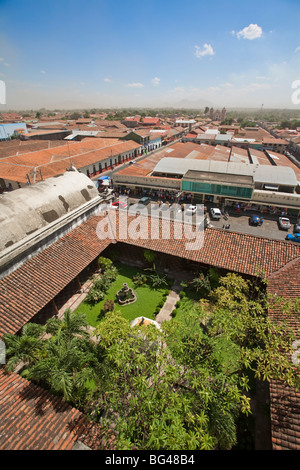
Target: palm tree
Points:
(67, 365)
(26, 348)
(72, 324)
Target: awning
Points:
(103, 178)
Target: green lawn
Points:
(145, 305)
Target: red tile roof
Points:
(24, 292)
(14, 147)
(27, 290)
(285, 417)
(285, 401)
(33, 419)
(54, 161)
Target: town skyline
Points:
(70, 55)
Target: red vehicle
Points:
(119, 205)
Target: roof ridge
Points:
(283, 268)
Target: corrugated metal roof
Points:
(281, 175)
(278, 175)
(181, 166)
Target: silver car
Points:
(297, 227)
(284, 223)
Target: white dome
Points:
(26, 210)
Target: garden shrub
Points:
(94, 296)
(140, 279)
(109, 306)
(104, 263)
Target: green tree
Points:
(71, 324)
(241, 314)
(26, 348)
(104, 263)
(64, 360)
(157, 401)
(150, 257)
(186, 386)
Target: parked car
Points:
(293, 238)
(215, 213)
(191, 210)
(297, 227)
(144, 200)
(254, 220)
(132, 162)
(119, 205)
(284, 223)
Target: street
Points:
(238, 222)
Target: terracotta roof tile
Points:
(24, 292)
(55, 160)
(33, 419)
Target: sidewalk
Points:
(73, 302)
(165, 313)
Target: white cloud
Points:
(134, 85)
(43, 72)
(206, 50)
(297, 49)
(107, 80)
(253, 31)
(214, 88)
(155, 81)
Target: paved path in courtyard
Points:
(169, 305)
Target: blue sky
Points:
(101, 53)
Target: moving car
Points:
(284, 223)
(215, 213)
(293, 238)
(254, 220)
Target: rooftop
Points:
(54, 161)
(41, 278)
(33, 419)
(29, 209)
(259, 173)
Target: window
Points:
(217, 189)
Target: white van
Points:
(215, 213)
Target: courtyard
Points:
(149, 299)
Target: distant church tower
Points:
(223, 114)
